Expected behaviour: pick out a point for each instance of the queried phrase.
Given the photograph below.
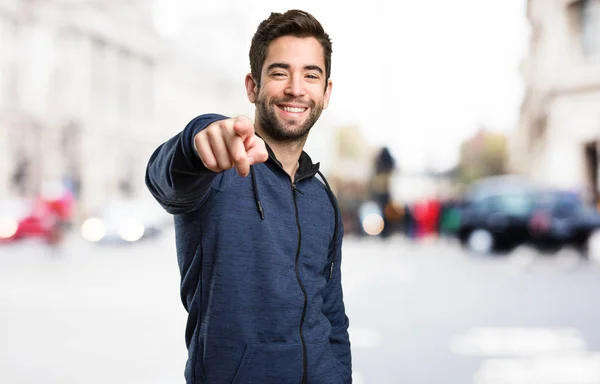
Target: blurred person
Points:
(20, 176)
(394, 214)
(426, 215)
(55, 205)
(381, 181)
(408, 222)
(449, 218)
(260, 256)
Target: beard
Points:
(286, 131)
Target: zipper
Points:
(304, 357)
(331, 266)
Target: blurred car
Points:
(126, 221)
(503, 212)
(562, 218)
(496, 213)
(21, 219)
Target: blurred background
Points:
(462, 142)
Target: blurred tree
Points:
(484, 154)
(350, 142)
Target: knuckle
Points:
(210, 163)
(238, 157)
(225, 164)
(199, 137)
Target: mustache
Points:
(290, 100)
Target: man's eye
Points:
(278, 74)
(314, 77)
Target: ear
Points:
(327, 94)
(251, 88)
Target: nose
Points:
(295, 86)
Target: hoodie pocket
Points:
(324, 367)
(340, 368)
(270, 363)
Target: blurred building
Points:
(78, 80)
(88, 89)
(558, 137)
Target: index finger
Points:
(243, 127)
(237, 153)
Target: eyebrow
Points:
(287, 66)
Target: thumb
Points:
(243, 127)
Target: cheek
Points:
(265, 95)
(270, 89)
(318, 98)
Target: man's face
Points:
(292, 92)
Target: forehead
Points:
(295, 51)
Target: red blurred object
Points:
(426, 213)
(44, 218)
(540, 223)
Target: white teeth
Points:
(292, 109)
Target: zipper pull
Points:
(331, 270)
(296, 189)
(261, 211)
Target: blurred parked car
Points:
(562, 218)
(126, 221)
(21, 219)
(503, 212)
(496, 214)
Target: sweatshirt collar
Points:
(306, 168)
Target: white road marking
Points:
(523, 256)
(529, 355)
(571, 369)
(517, 341)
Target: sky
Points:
(418, 76)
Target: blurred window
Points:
(517, 204)
(8, 67)
(99, 73)
(483, 205)
(561, 203)
(124, 96)
(146, 88)
(590, 28)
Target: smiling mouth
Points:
(292, 109)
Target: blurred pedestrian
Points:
(260, 255)
(426, 214)
(381, 181)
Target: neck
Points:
(288, 153)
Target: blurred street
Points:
(420, 313)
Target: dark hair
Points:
(292, 23)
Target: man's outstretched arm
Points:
(180, 171)
(175, 174)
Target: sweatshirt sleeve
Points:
(334, 309)
(175, 175)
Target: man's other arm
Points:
(334, 309)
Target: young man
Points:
(259, 236)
